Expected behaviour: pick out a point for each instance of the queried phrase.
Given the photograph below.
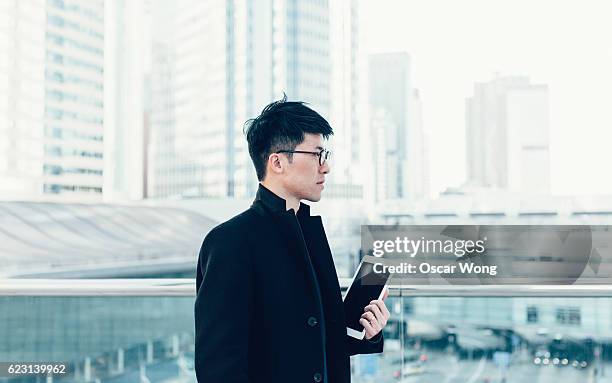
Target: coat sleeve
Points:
(223, 309)
(366, 346)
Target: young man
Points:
(268, 306)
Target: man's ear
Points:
(275, 163)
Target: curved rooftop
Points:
(81, 240)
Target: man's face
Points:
(304, 177)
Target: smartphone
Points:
(366, 286)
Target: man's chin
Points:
(313, 197)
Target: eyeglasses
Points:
(323, 155)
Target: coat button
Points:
(317, 377)
(312, 321)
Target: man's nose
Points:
(324, 168)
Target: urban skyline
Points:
(456, 44)
(131, 154)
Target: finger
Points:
(369, 316)
(383, 308)
(368, 328)
(376, 325)
(379, 315)
(386, 294)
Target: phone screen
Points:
(366, 287)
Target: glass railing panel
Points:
(142, 331)
(484, 339)
(103, 339)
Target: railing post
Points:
(87, 370)
(175, 345)
(149, 351)
(120, 361)
(143, 374)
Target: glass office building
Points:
(52, 98)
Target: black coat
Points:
(263, 287)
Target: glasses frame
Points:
(323, 154)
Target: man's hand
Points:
(375, 316)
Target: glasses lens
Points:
(324, 156)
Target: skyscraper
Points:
(418, 151)
(199, 94)
(301, 51)
(22, 97)
(225, 61)
(126, 26)
(347, 174)
(395, 108)
(507, 130)
(51, 98)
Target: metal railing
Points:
(186, 287)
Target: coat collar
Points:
(277, 204)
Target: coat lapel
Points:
(320, 254)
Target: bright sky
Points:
(566, 44)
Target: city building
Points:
(127, 25)
(507, 133)
(220, 65)
(51, 99)
(347, 175)
(396, 126)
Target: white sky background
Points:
(566, 44)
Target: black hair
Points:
(281, 126)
